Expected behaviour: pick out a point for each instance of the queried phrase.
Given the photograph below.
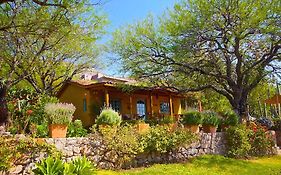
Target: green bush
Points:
(49, 166)
(230, 118)
(76, 129)
(211, 118)
(261, 142)
(192, 118)
(59, 113)
(109, 117)
(277, 124)
(123, 143)
(167, 120)
(238, 143)
(161, 139)
(54, 166)
(41, 130)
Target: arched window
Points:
(141, 108)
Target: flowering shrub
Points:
(59, 113)
(261, 141)
(244, 142)
(109, 117)
(26, 109)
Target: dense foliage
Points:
(192, 118)
(210, 118)
(243, 142)
(126, 142)
(109, 117)
(55, 166)
(162, 140)
(167, 120)
(226, 46)
(14, 150)
(76, 129)
(27, 111)
(59, 113)
(230, 118)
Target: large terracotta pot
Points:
(209, 129)
(142, 127)
(171, 126)
(192, 128)
(57, 130)
(278, 138)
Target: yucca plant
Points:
(49, 166)
(82, 166)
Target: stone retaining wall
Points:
(96, 151)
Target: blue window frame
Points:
(84, 105)
(141, 109)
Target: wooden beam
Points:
(200, 109)
(171, 105)
(106, 98)
(151, 105)
(131, 106)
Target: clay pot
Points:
(209, 129)
(192, 128)
(57, 130)
(142, 127)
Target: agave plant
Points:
(49, 166)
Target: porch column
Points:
(151, 105)
(171, 105)
(106, 98)
(131, 106)
(200, 109)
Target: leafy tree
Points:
(226, 46)
(45, 44)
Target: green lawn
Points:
(210, 165)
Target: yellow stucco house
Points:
(90, 95)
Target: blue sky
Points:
(122, 12)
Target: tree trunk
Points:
(3, 105)
(239, 104)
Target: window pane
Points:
(141, 108)
(116, 105)
(164, 107)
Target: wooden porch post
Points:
(151, 105)
(200, 106)
(171, 105)
(131, 106)
(106, 98)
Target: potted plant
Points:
(59, 116)
(141, 126)
(108, 118)
(230, 118)
(191, 120)
(210, 121)
(169, 121)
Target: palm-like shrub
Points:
(49, 166)
(211, 118)
(59, 113)
(109, 117)
(192, 118)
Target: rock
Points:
(16, 170)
